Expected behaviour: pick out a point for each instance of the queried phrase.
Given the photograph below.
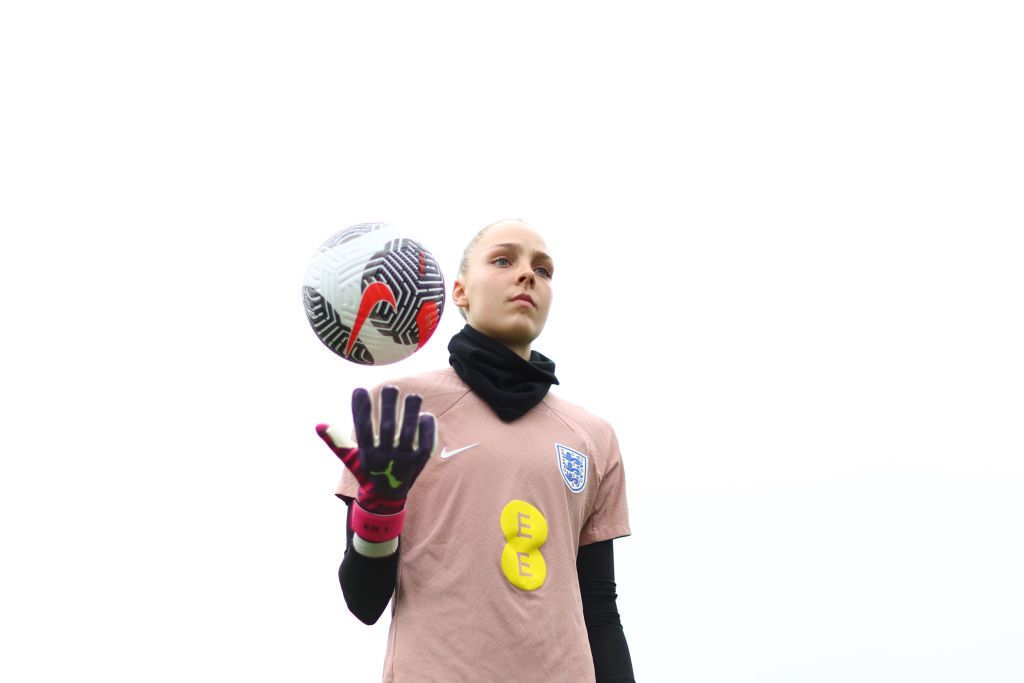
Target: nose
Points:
(527, 275)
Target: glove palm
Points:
(385, 465)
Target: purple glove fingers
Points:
(410, 417)
(388, 407)
(362, 418)
(428, 437)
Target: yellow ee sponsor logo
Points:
(525, 531)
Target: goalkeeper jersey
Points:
(486, 588)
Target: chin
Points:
(511, 332)
(521, 333)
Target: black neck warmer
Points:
(510, 385)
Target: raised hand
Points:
(386, 464)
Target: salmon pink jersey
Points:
(487, 587)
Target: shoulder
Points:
(595, 431)
(430, 383)
(440, 389)
(580, 419)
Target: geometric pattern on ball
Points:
(374, 295)
(349, 234)
(330, 329)
(416, 282)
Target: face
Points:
(509, 260)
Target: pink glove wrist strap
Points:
(376, 528)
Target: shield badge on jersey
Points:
(573, 465)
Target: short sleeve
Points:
(610, 516)
(347, 487)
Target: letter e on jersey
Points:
(525, 530)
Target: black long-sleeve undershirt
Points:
(368, 584)
(595, 566)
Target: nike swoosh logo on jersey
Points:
(445, 453)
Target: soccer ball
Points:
(373, 295)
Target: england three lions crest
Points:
(573, 465)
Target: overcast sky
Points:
(788, 248)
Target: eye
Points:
(544, 272)
(501, 258)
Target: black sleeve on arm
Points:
(595, 566)
(366, 582)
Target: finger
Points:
(410, 418)
(335, 438)
(342, 446)
(388, 405)
(427, 436)
(362, 417)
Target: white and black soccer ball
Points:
(373, 295)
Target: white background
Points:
(789, 272)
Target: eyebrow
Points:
(514, 245)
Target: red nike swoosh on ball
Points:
(373, 295)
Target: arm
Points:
(595, 567)
(366, 582)
(385, 468)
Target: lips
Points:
(525, 297)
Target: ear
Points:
(459, 297)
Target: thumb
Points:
(335, 439)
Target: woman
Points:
(503, 569)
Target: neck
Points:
(500, 372)
(522, 350)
